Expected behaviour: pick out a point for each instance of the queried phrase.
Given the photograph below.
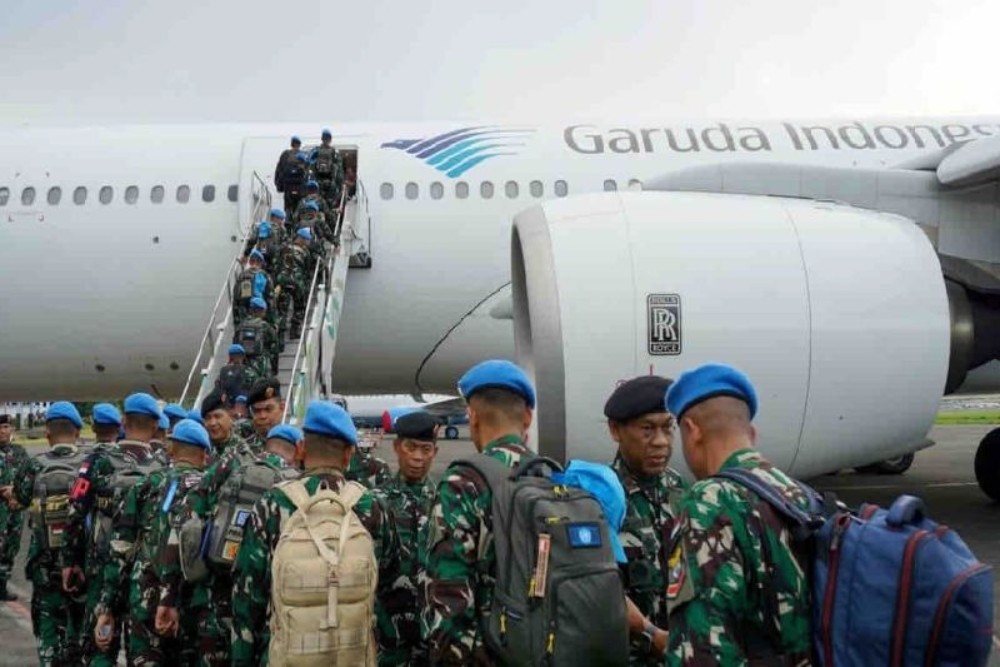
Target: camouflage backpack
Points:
(53, 485)
(326, 161)
(250, 334)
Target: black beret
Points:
(217, 400)
(637, 397)
(417, 425)
(5, 419)
(263, 390)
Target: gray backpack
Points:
(559, 598)
(53, 485)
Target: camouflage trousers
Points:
(260, 364)
(292, 295)
(11, 524)
(399, 643)
(91, 654)
(56, 619)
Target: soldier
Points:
(294, 179)
(313, 195)
(174, 412)
(285, 160)
(253, 283)
(267, 239)
(279, 220)
(368, 470)
(644, 431)
(165, 637)
(267, 409)
(328, 165)
(259, 340)
(219, 424)
(407, 497)
(241, 417)
(45, 482)
(460, 559)
(330, 438)
(293, 283)
(235, 377)
(125, 593)
(12, 459)
(740, 594)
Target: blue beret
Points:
(64, 410)
(330, 420)
(264, 230)
(241, 399)
(710, 381)
(300, 156)
(296, 140)
(258, 302)
(174, 411)
(236, 348)
(190, 432)
(164, 422)
(498, 374)
(285, 432)
(326, 132)
(257, 254)
(195, 416)
(312, 185)
(312, 206)
(106, 414)
(305, 233)
(600, 481)
(142, 404)
(278, 213)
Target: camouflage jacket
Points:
(227, 447)
(252, 569)
(130, 540)
(162, 544)
(244, 429)
(13, 459)
(408, 505)
(296, 266)
(369, 470)
(460, 559)
(742, 592)
(650, 514)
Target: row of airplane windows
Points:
(512, 189)
(106, 194)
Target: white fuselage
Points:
(102, 299)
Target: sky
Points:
(127, 61)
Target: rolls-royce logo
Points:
(664, 324)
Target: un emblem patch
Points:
(664, 324)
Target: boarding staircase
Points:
(305, 364)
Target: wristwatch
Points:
(646, 639)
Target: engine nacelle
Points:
(839, 316)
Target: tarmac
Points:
(942, 475)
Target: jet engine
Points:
(840, 316)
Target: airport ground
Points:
(941, 475)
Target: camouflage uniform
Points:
(56, 617)
(460, 561)
(368, 470)
(252, 570)
(245, 430)
(12, 459)
(329, 184)
(296, 273)
(650, 515)
(398, 623)
(740, 592)
(268, 247)
(325, 211)
(262, 362)
(263, 287)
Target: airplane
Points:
(381, 411)
(850, 267)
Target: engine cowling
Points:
(839, 315)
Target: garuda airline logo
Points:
(456, 152)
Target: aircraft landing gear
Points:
(895, 466)
(988, 464)
(451, 433)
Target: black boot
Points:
(5, 595)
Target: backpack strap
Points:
(802, 523)
(490, 469)
(296, 491)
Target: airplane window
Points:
(511, 189)
(233, 193)
(486, 190)
(412, 191)
(106, 194)
(55, 194)
(634, 184)
(131, 194)
(561, 188)
(183, 194)
(437, 190)
(386, 191)
(208, 194)
(462, 190)
(156, 194)
(80, 196)
(610, 185)
(4, 196)
(28, 196)
(537, 189)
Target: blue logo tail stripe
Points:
(427, 143)
(465, 166)
(455, 160)
(433, 150)
(457, 148)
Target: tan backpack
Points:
(323, 579)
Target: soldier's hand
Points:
(104, 631)
(660, 641)
(167, 621)
(72, 579)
